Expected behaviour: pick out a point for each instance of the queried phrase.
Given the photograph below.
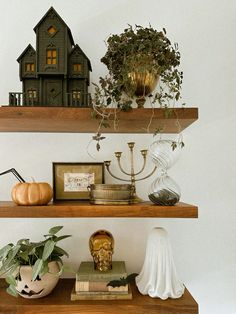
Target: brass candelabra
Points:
(132, 174)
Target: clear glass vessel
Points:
(163, 155)
(164, 190)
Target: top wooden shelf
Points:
(79, 120)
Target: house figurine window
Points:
(51, 56)
(76, 95)
(29, 67)
(32, 94)
(77, 67)
(52, 30)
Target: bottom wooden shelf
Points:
(59, 302)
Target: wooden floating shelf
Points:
(58, 302)
(84, 209)
(64, 119)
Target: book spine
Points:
(100, 277)
(96, 286)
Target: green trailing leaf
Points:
(94, 114)
(44, 270)
(11, 255)
(60, 251)
(158, 131)
(123, 281)
(37, 268)
(11, 280)
(12, 291)
(48, 248)
(24, 256)
(14, 269)
(57, 239)
(23, 241)
(4, 251)
(55, 230)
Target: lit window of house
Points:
(32, 94)
(77, 67)
(76, 95)
(51, 56)
(29, 67)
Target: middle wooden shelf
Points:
(85, 209)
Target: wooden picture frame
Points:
(71, 179)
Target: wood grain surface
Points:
(58, 302)
(84, 209)
(64, 119)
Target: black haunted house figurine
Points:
(57, 73)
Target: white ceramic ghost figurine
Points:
(158, 277)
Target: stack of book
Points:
(91, 284)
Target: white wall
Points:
(204, 248)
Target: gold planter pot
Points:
(143, 84)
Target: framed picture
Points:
(71, 179)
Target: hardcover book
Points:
(100, 295)
(87, 273)
(99, 286)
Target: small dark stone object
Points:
(164, 197)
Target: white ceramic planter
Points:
(40, 287)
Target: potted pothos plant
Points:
(138, 60)
(32, 269)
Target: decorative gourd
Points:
(35, 193)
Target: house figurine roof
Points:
(28, 48)
(77, 47)
(53, 12)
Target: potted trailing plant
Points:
(137, 59)
(32, 269)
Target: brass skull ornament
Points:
(101, 244)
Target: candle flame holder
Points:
(132, 174)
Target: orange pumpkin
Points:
(35, 193)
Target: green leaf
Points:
(4, 251)
(14, 269)
(24, 255)
(48, 248)
(23, 241)
(61, 238)
(37, 268)
(55, 229)
(44, 270)
(12, 291)
(60, 251)
(11, 280)
(12, 255)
